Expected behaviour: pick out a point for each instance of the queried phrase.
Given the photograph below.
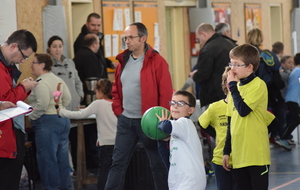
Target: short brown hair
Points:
(247, 53)
(255, 37)
(277, 47)
(190, 96)
(44, 58)
(94, 15)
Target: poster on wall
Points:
(252, 16)
(222, 13)
(8, 19)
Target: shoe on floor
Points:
(284, 144)
(291, 142)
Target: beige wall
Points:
(29, 16)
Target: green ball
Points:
(150, 122)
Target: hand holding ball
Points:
(150, 122)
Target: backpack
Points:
(264, 70)
(268, 70)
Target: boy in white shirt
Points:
(186, 160)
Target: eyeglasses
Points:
(179, 103)
(35, 62)
(24, 56)
(235, 66)
(129, 38)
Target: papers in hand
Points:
(22, 108)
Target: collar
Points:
(248, 79)
(15, 71)
(214, 36)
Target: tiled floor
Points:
(284, 172)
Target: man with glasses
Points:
(142, 80)
(16, 49)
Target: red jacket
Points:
(156, 83)
(8, 148)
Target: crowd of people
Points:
(250, 98)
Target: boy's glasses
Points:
(235, 66)
(179, 103)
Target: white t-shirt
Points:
(186, 160)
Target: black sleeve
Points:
(209, 130)
(227, 147)
(273, 125)
(165, 126)
(109, 63)
(242, 108)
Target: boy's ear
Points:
(191, 110)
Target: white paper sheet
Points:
(115, 46)
(137, 16)
(107, 41)
(127, 17)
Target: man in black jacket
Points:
(92, 26)
(87, 62)
(213, 58)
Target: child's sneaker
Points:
(210, 173)
(290, 142)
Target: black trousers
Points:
(251, 178)
(10, 169)
(293, 109)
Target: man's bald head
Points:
(91, 41)
(203, 32)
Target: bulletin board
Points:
(222, 13)
(146, 12)
(115, 18)
(252, 16)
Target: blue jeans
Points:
(129, 132)
(52, 143)
(224, 178)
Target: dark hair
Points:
(142, 30)
(53, 38)
(44, 58)
(94, 15)
(221, 28)
(247, 53)
(24, 39)
(277, 47)
(190, 96)
(284, 58)
(104, 86)
(89, 39)
(297, 59)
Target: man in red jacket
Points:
(16, 49)
(142, 80)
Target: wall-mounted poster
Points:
(252, 16)
(222, 12)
